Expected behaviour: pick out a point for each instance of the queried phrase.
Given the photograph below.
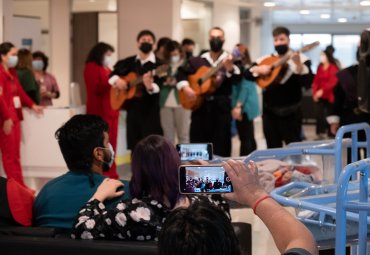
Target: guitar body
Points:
(190, 104)
(267, 80)
(201, 88)
(196, 82)
(118, 96)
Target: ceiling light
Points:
(269, 4)
(365, 3)
(325, 16)
(342, 20)
(304, 12)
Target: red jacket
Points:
(326, 80)
(98, 91)
(10, 88)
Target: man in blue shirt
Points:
(84, 143)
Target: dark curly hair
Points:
(77, 139)
(200, 229)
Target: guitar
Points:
(278, 67)
(119, 96)
(202, 83)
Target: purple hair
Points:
(155, 164)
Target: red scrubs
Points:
(98, 103)
(11, 96)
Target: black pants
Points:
(141, 124)
(211, 124)
(322, 109)
(279, 129)
(245, 129)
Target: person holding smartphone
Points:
(201, 229)
(154, 188)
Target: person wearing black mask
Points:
(211, 121)
(282, 118)
(188, 46)
(143, 117)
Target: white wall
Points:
(26, 28)
(227, 16)
(132, 18)
(108, 31)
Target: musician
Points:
(175, 119)
(282, 118)
(211, 122)
(142, 110)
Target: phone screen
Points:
(204, 179)
(195, 151)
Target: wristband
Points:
(259, 201)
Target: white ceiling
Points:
(287, 11)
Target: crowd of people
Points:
(92, 203)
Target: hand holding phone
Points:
(195, 179)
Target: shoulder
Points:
(125, 62)
(53, 184)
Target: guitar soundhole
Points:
(200, 81)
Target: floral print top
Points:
(132, 219)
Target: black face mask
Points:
(189, 54)
(216, 44)
(146, 47)
(281, 49)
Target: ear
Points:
(98, 154)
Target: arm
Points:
(134, 220)
(55, 88)
(247, 190)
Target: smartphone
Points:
(195, 179)
(195, 151)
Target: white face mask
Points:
(13, 61)
(107, 61)
(323, 58)
(108, 165)
(175, 59)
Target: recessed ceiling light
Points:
(342, 20)
(269, 4)
(325, 16)
(91, 1)
(365, 3)
(304, 12)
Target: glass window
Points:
(345, 49)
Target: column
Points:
(60, 47)
(227, 17)
(160, 16)
(6, 22)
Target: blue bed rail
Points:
(327, 147)
(361, 206)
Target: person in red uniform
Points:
(96, 75)
(323, 92)
(12, 97)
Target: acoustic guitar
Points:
(119, 96)
(278, 67)
(202, 83)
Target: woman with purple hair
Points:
(154, 187)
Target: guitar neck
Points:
(287, 56)
(212, 71)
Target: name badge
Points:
(17, 102)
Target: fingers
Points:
(230, 196)
(119, 193)
(229, 169)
